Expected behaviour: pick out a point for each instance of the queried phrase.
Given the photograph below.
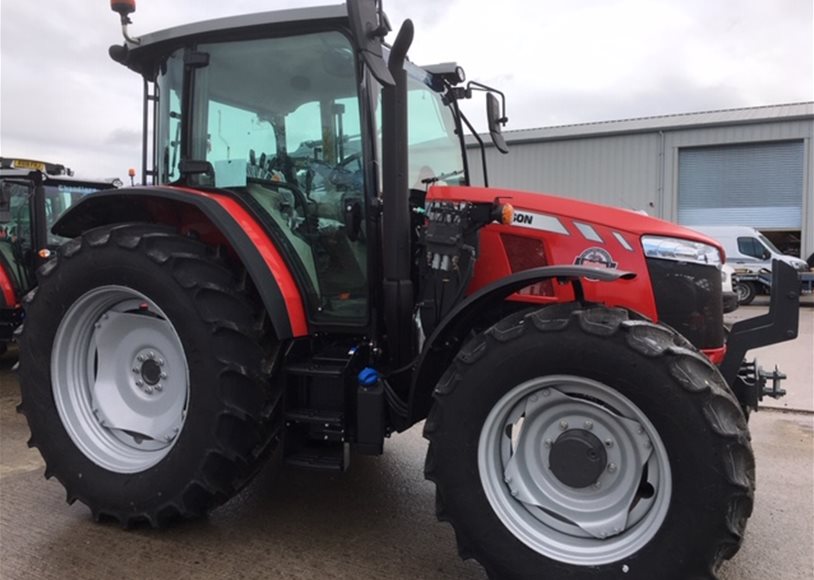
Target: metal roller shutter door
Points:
(757, 184)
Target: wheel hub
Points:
(151, 372)
(148, 371)
(578, 458)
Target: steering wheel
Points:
(338, 175)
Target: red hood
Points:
(612, 217)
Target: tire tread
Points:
(231, 463)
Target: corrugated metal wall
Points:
(760, 184)
(637, 171)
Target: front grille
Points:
(688, 298)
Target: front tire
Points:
(142, 378)
(578, 444)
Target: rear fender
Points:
(444, 343)
(216, 219)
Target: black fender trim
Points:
(128, 205)
(780, 324)
(444, 343)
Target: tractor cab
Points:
(34, 195)
(277, 110)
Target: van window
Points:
(751, 247)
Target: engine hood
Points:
(623, 220)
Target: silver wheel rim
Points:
(120, 379)
(604, 522)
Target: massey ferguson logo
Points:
(595, 258)
(523, 219)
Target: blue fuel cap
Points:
(368, 377)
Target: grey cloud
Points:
(124, 137)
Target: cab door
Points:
(279, 121)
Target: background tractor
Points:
(33, 194)
(306, 269)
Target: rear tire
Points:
(525, 507)
(141, 376)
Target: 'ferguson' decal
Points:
(538, 221)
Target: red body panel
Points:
(275, 262)
(573, 232)
(6, 286)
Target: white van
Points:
(748, 247)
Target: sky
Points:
(62, 99)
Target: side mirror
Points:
(496, 120)
(369, 26)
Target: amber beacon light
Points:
(124, 7)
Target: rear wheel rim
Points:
(120, 379)
(593, 524)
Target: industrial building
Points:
(750, 166)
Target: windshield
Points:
(766, 242)
(434, 148)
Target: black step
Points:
(315, 416)
(327, 457)
(315, 369)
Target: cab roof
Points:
(233, 24)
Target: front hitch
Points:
(778, 325)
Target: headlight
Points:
(680, 250)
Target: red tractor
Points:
(33, 194)
(307, 270)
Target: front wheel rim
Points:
(587, 516)
(120, 379)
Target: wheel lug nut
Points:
(533, 398)
(612, 467)
(151, 354)
(563, 425)
(640, 429)
(546, 393)
(135, 370)
(140, 358)
(148, 389)
(163, 375)
(608, 443)
(159, 387)
(589, 425)
(161, 362)
(548, 442)
(139, 384)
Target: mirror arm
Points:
(473, 85)
(482, 147)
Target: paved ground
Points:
(376, 521)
